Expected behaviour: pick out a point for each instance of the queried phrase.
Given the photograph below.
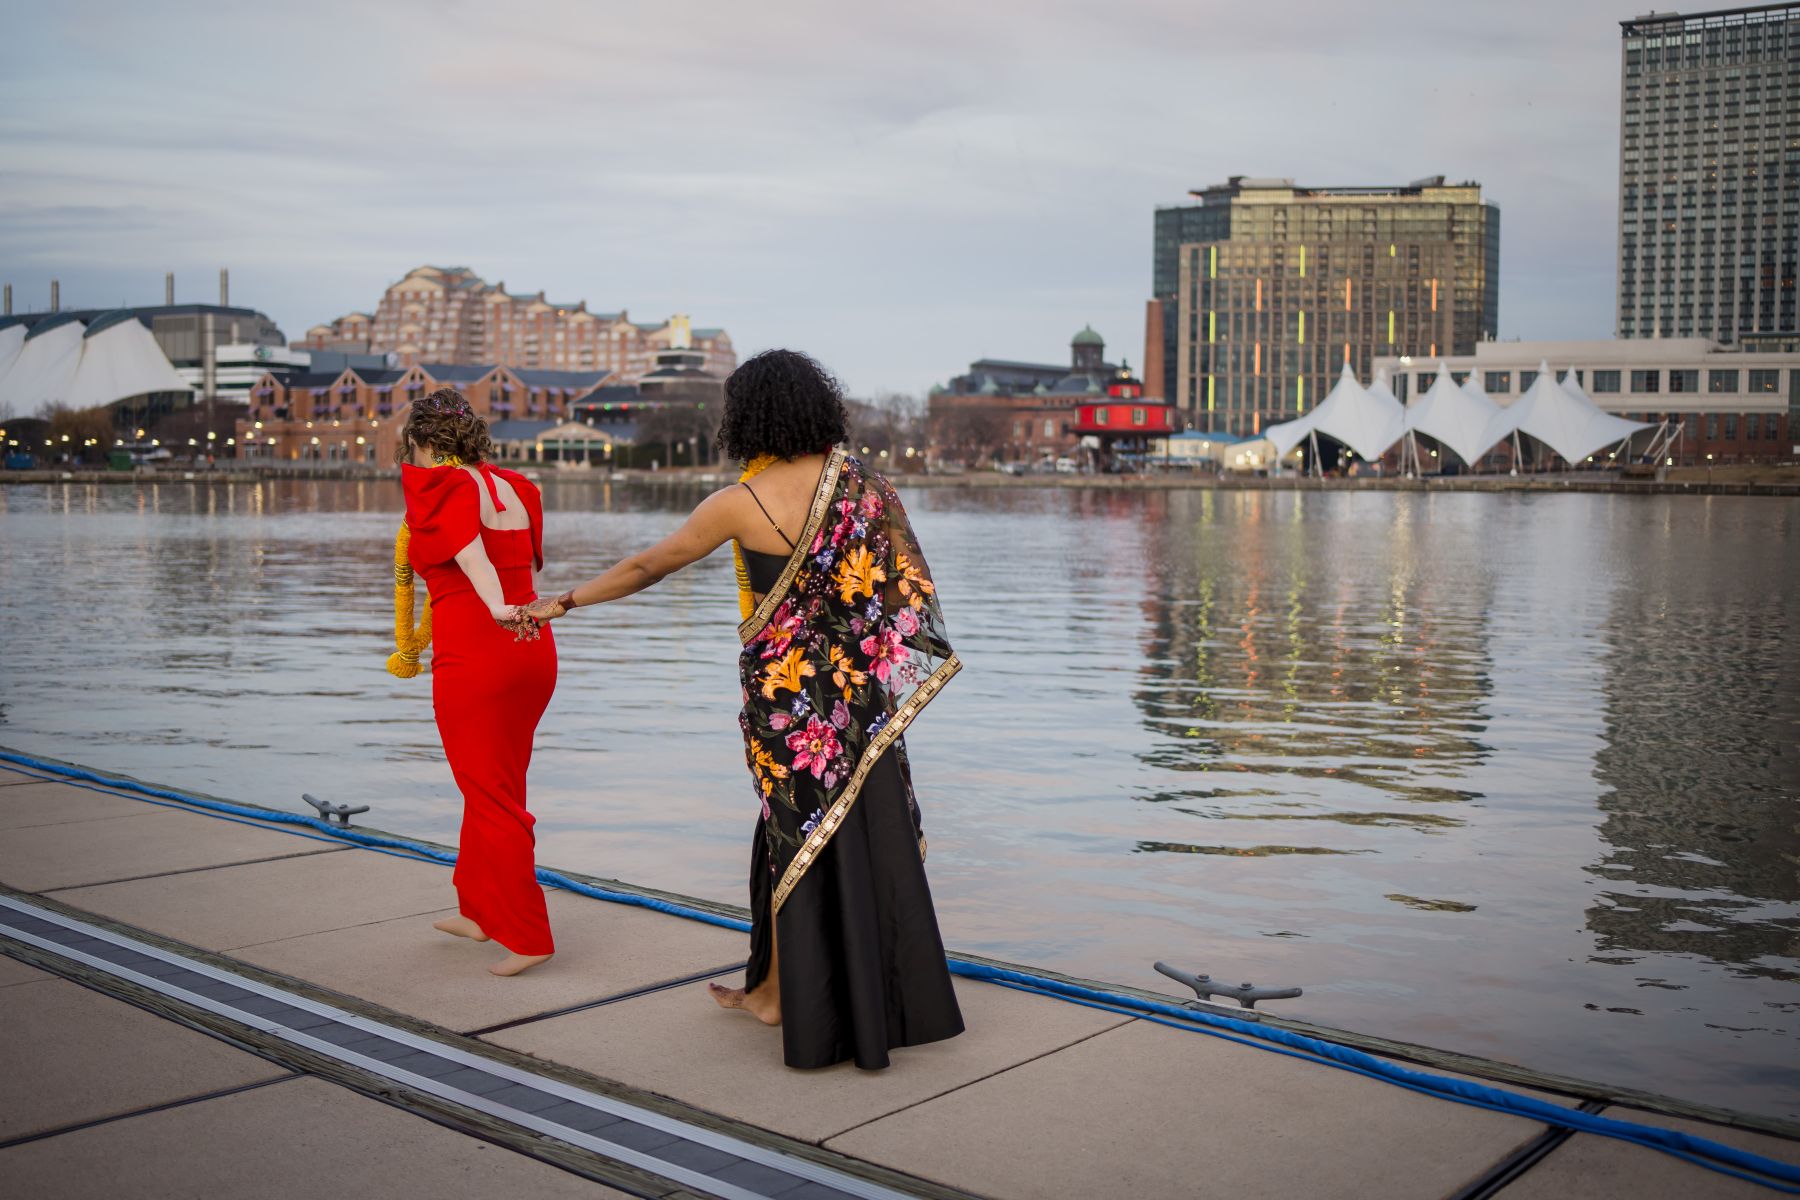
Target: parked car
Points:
(1065, 466)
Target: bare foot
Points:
(461, 927)
(514, 964)
(759, 1004)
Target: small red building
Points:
(1124, 423)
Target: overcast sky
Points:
(896, 188)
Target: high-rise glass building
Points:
(1709, 174)
(1265, 290)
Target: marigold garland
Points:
(746, 598)
(411, 642)
(404, 661)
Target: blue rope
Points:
(1703, 1152)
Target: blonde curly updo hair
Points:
(444, 424)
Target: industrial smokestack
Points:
(55, 296)
(224, 288)
(169, 288)
(8, 311)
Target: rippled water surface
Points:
(1512, 775)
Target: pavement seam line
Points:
(832, 1137)
(70, 887)
(151, 1109)
(630, 994)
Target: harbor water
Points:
(1516, 775)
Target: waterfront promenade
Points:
(201, 1003)
(1679, 481)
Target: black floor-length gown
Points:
(861, 960)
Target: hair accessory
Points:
(448, 401)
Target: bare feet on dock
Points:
(461, 927)
(761, 1004)
(514, 964)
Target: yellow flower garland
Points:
(404, 661)
(411, 642)
(746, 598)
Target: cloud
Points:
(899, 189)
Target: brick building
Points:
(452, 315)
(1003, 411)
(354, 415)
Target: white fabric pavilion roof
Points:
(1566, 421)
(1368, 420)
(12, 340)
(44, 368)
(1458, 418)
(65, 362)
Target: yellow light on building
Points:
(1212, 326)
(1303, 262)
(1302, 329)
(1300, 393)
(1209, 393)
(1212, 262)
(1390, 326)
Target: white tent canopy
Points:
(44, 368)
(1455, 417)
(65, 362)
(12, 340)
(120, 358)
(1566, 421)
(1368, 420)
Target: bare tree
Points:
(71, 429)
(678, 423)
(969, 434)
(890, 421)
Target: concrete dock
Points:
(196, 1005)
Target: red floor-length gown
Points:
(488, 691)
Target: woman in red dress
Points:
(477, 535)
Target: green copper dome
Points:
(1087, 337)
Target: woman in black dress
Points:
(843, 645)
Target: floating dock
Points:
(213, 1001)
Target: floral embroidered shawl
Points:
(838, 659)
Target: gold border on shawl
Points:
(828, 825)
(815, 516)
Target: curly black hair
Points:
(781, 402)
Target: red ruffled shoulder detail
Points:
(443, 510)
(533, 500)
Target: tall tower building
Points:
(1709, 174)
(1276, 287)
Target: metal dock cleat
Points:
(328, 810)
(1246, 994)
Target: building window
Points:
(1765, 381)
(1721, 381)
(1497, 381)
(1137, 416)
(1731, 427)
(1646, 381)
(1526, 379)
(1606, 381)
(1100, 415)
(1712, 427)
(1049, 427)
(1771, 427)
(1684, 381)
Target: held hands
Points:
(518, 619)
(545, 610)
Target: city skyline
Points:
(893, 200)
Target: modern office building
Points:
(1277, 287)
(452, 315)
(1709, 174)
(1734, 404)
